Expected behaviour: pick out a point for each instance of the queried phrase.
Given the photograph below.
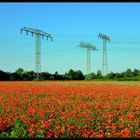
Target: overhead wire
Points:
(65, 49)
(9, 42)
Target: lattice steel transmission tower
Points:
(89, 48)
(38, 34)
(104, 61)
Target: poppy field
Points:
(69, 109)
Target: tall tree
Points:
(99, 75)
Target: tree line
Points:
(20, 75)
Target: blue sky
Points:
(69, 24)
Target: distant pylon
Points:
(38, 34)
(104, 61)
(89, 48)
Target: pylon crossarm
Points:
(87, 45)
(36, 31)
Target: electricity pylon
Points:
(104, 61)
(38, 34)
(89, 48)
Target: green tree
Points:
(71, 74)
(19, 71)
(90, 76)
(56, 76)
(46, 75)
(74, 75)
(27, 75)
(111, 75)
(31, 75)
(135, 73)
(119, 76)
(99, 75)
(128, 73)
(78, 75)
(14, 76)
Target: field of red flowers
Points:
(69, 109)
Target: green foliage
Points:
(4, 135)
(90, 76)
(19, 71)
(99, 75)
(40, 134)
(45, 75)
(19, 129)
(74, 75)
(20, 74)
(128, 75)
